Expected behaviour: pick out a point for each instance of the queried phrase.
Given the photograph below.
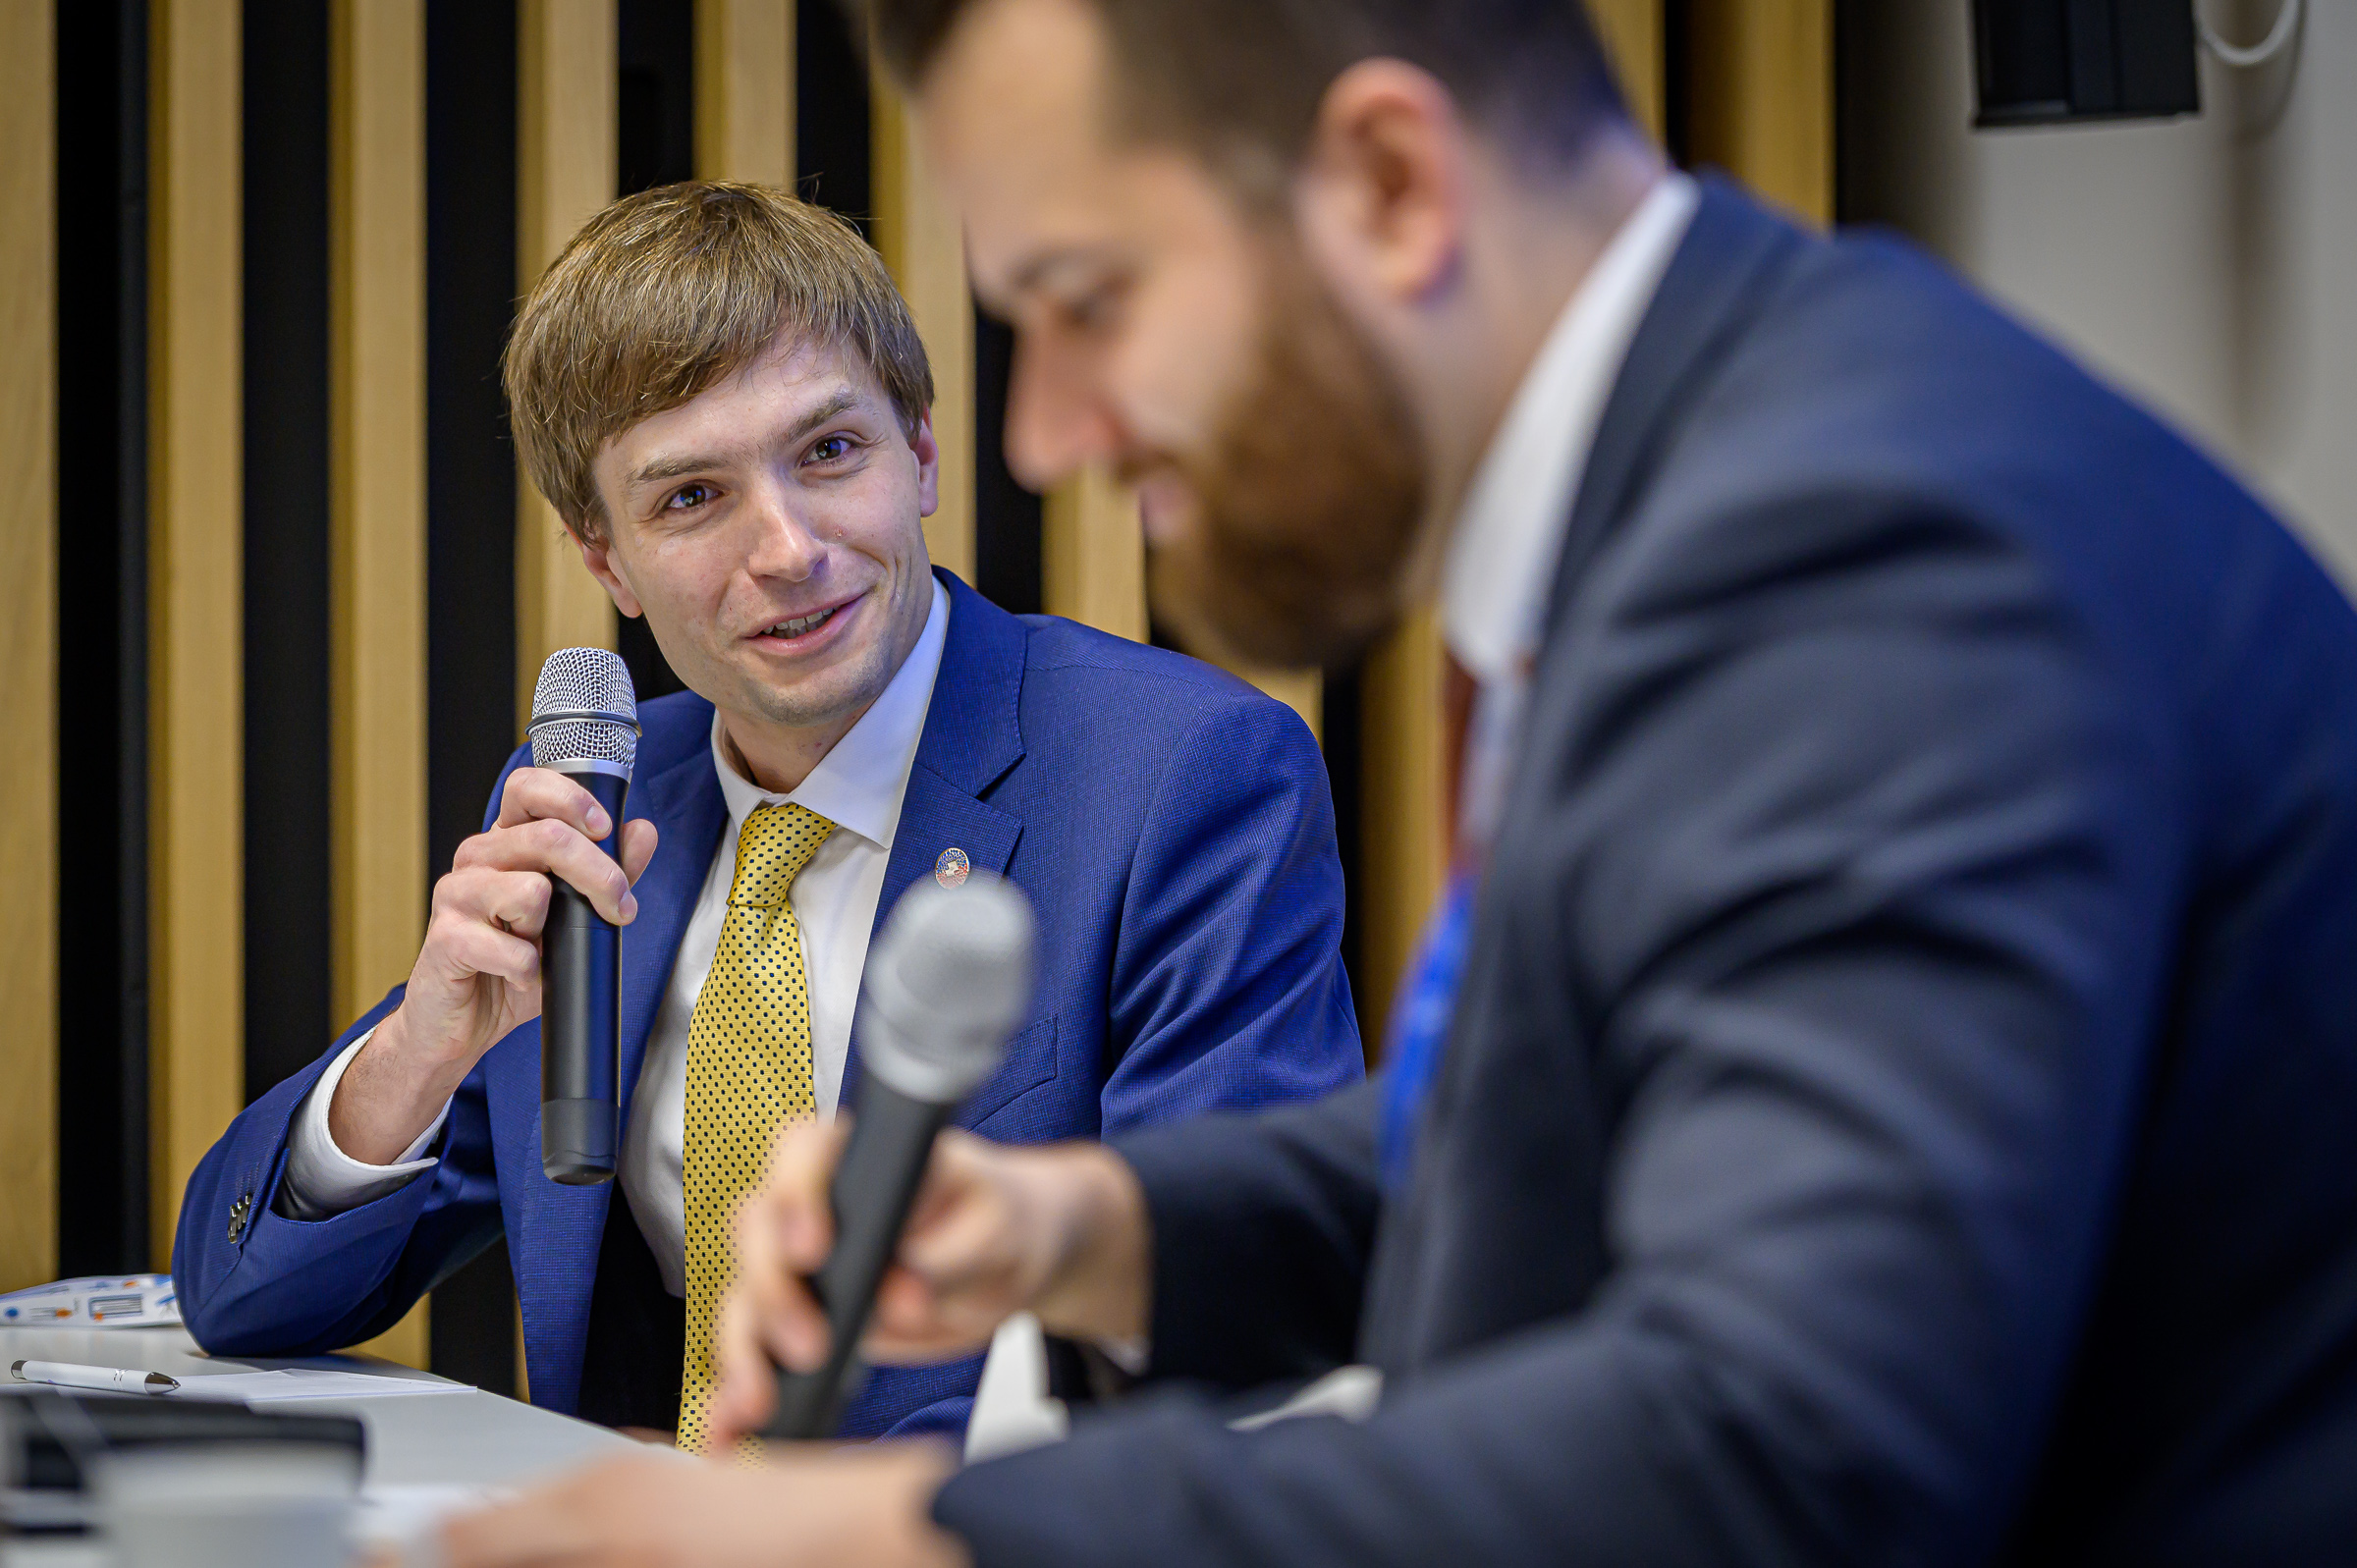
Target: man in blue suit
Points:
(723, 398)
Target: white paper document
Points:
(307, 1382)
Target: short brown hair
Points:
(1239, 81)
(668, 292)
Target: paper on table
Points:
(307, 1383)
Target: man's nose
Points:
(782, 544)
(1056, 424)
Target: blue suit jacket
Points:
(1902, 1101)
(1173, 830)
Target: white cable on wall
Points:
(2287, 23)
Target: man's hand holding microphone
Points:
(477, 975)
(1060, 1231)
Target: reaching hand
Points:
(866, 1507)
(1059, 1231)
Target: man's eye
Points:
(688, 498)
(1094, 310)
(832, 449)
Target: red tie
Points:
(1457, 691)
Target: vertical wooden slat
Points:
(1761, 97)
(1632, 34)
(376, 246)
(195, 718)
(922, 244)
(1404, 848)
(1092, 555)
(565, 152)
(1303, 690)
(745, 90)
(29, 642)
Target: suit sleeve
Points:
(252, 1280)
(1262, 1229)
(271, 1284)
(1227, 990)
(1862, 858)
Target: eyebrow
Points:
(1037, 270)
(656, 471)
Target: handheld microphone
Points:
(947, 982)
(585, 726)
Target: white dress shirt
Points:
(859, 787)
(1509, 532)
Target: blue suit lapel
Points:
(973, 736)
(556, 1232)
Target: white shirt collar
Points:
(1511, 528)
(858, 785)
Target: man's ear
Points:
(928, 468)
(598, 556)
(1381, 198)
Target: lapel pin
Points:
(951, 869)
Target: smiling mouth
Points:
(801, 625)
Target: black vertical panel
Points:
(102, 631)
(830, 113)
(654, 107)
(654, 100)
(470, 523)
(1678, 82)
(288, 1004)
(1341, 734)
(1006, 568)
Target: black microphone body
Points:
(883, 1163)
(580, 1012)
(948, 977)
(585, 726)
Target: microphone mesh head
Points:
(585, 710)
(947, 982)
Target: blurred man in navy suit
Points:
(1878, 1088)
(723, 398)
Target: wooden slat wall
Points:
(1092, 555)
(925, 248)
(195, 923)
(565, 153)
(1632, 31)
(376, 245)
(745, 90)
(28, 643)
(1404, 841)
(1761, 97)
(1402, 774)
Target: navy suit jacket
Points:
(1902, 1103)
(1174, 833)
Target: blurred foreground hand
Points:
(1061, 1231)
(809, 1507)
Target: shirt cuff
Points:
(1132, 1356)
(322, 1180)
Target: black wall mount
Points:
(2053, 61)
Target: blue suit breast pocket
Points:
(1030, 1063)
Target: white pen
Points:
(109, 1379)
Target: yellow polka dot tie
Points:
(748, 1069)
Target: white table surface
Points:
(471, 1439)
(474, 1438)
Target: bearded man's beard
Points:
(1309, 497)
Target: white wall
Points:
(2204, 264)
